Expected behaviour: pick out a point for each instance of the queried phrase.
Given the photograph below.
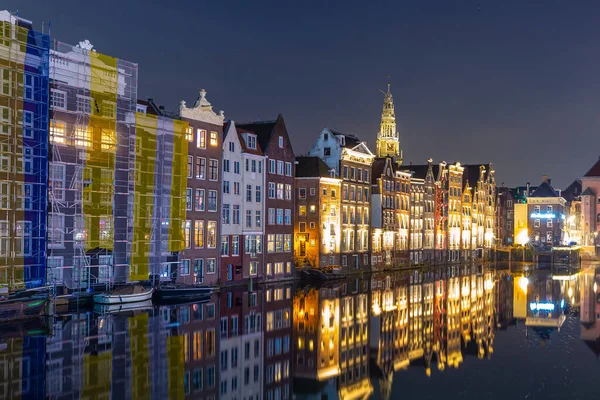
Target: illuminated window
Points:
(211, 235)
(201, 139)
(213, 138)
(108, 139)
(189, 134)
(197, 345)
(302, 212)
(198, 234)
(83, 136)
(57, 132)
(187, 233)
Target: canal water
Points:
(470, 332)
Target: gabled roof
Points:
(471, 173)
(544, 190)
(377, 168)
(588, 192)
(420, 171)
(350, 140)
(264, 130)
(572, 191)
(311, 167)
(594, 171)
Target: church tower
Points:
(388, 139)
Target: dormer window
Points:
(141, 109)
(326, 136)
(250, 140)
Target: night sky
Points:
(514, 83)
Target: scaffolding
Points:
(91, 179)
(24, 66)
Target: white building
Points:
(243, 206)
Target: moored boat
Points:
(180, 293)
(124, 294)
(122, 307)
(20, 309)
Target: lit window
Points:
(109, 140)
(201, 140)
(57, 132)
(83, 136)
(213, 138)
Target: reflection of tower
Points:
(590, 309)
(388, 139)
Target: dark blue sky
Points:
(516, 83)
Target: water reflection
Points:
(345, 340)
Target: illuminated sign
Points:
(543, 216)
(541, 306)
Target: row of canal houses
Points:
(363, 211)
(337, 340)
(111, 188)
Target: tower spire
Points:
(388, 140)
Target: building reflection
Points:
(346, 339)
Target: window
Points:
(302, 193)
(281, 142)
(272, 167)
(190, 167)
(279, 167)
(271, 216)
(211, 265)
(302, 227)
(84, 104)
(536, 223)
(312, 191)
(288, 169)
(236, 214)
(185, 266)
(28, 124)
(288, 217)
(302, 211)
(57, 132)
(288, 191)
(197, 379)
(536, 209)
(213, 169)
(280, 191)
(226, 187)
(198, 234)
(258, 194)
(549, 209)
(251, 141)
(271, 190)
(57, 180)
(248, 218)
(226, 165)
(56, 230)
(226, 214)
(187, 233)
(225, 245)
(253, 166)
(249, 193)
(210, 374)
(326, 151)
(188, 199)
(235, 245)
(258, 219)
(199, 204)
(189, 134)
(58, 99)
(280, 216)
(549, 223)
(236, 188)
(214, 141)
(211, 235)
(312, 225)
(212, 201)
(253, 267)
(236, 167)
(360, 174)
(200, 168)
(509, 203)
(201, 139)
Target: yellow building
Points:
(521, 233)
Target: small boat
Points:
(122, 307)
(21, 309)
(124, 294)
(180, 293)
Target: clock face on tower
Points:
(390, 146)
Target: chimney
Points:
(527, 191)
(544, 178)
